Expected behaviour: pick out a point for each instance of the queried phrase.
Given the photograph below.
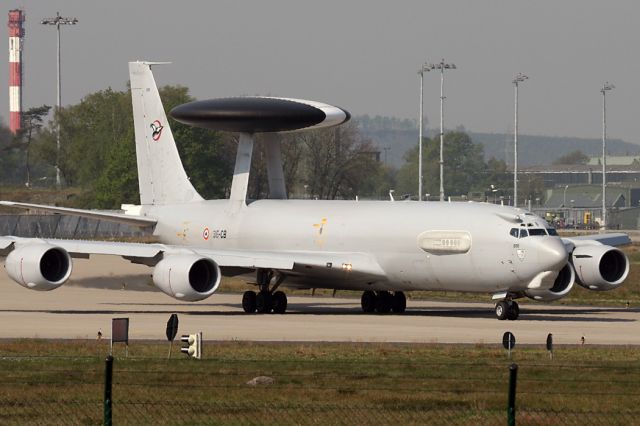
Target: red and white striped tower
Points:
(16, 35)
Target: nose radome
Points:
(553, 254)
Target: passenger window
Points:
(523, 233)
(514, 232)
(552, 231)
(537, 231)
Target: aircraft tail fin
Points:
(161, 176)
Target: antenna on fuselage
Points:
(251, 115)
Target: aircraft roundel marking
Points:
(156, 130)
(206, 233)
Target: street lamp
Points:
(605, 88)
(564, 197)
(516, 80)
(57, 21)
(441, 66)
(420, 118)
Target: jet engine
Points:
(187, 276)
(600, 267)
(561, 286)
(39, 266)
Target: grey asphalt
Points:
(80, 309)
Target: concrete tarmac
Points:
(79, 309)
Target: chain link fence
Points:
(169, 412)
(70, 391)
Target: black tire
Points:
(279, 302)
(385, 300)
(264, 302)
(514, 311)
(502, 310)
(399, 304)
(249, 302)
(368, 301)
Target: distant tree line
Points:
(98, 157)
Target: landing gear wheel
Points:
(399, 303)
(514, 311)
(502, 309)
(368, 301)
(249, 302)
(264, 302)
(279, 300)
(385, 300)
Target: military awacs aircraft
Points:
(382, 248)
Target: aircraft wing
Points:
(613, 239)
(141, 221)
(359, 266)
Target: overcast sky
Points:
(361, 55)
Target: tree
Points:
(464, 168)
(32, 122)
(339, 164)
(574, 157)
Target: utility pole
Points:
(441, 66)
(517, 79)
(605, 88)
(420, 118)
(57, 21)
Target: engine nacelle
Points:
(600, 267)
(187, 276)
(561, 286)
(39, 266)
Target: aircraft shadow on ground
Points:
(121, 282)
(568, 315)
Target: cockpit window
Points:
(514, 232)
(537, 231)
(552, 231)
(523, 233)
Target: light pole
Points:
(420, 118)
(441, 66)
(516, 80)
(57, 21)
(564, 197)
(605, 88)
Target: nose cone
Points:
(552, 254)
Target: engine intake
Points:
(561, 286)
(41, 267)
(600, 267)
(187, 276)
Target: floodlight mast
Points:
(442, 65)
(605, 88)
(516, 80)
(420, 125)
(57, 21)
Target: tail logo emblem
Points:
(156, 129)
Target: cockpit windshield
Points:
(552, 231)
(534, 232)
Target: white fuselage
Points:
(495, 262)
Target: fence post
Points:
(108, 373)
(511, 410)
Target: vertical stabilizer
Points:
(161, 176)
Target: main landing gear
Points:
(267, 299)
(507, 309)
(383, 302)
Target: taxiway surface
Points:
(82, 308)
